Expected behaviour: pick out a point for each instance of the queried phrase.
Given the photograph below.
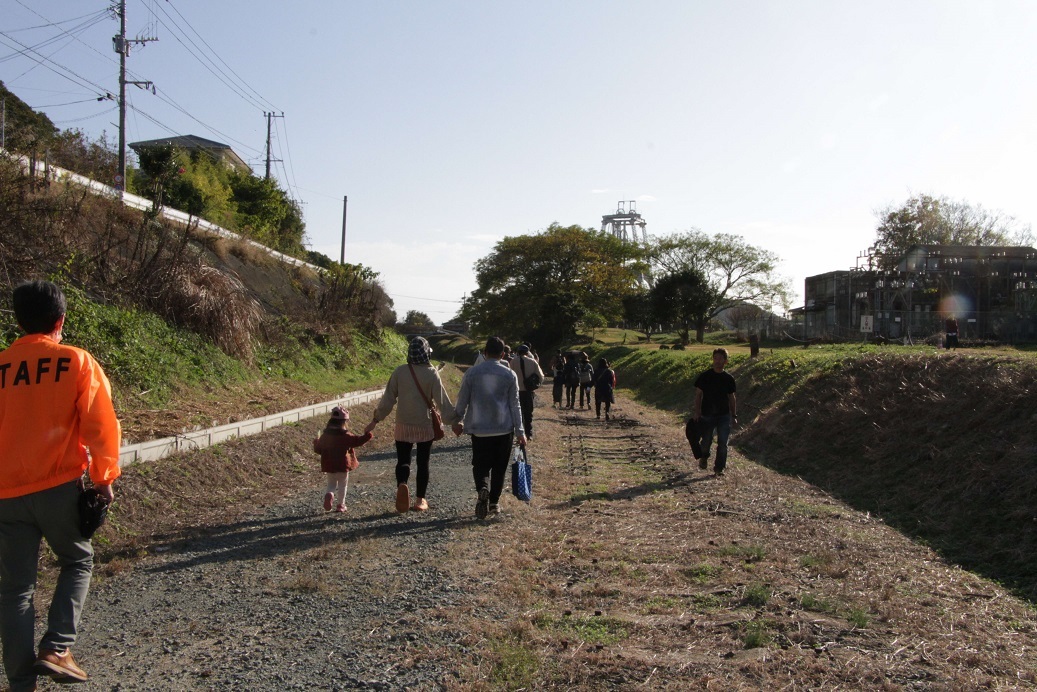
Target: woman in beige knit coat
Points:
(413, 422)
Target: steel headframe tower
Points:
(626, 224)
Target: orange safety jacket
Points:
(55, 401)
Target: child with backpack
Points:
(337, 449)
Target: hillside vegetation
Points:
(193, 329)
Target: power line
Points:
(198, 53)
(288, 183)
(434, 300)
(43, 60)
(165, 127)
(180, 108)
(93, 18)
(70, 103)
(46, 42)
(86, 117)
(99, 13)
(246, 84)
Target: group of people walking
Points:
(494, 406)
(490, 408)
(573, 373)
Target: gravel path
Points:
(292, 597)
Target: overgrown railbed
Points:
(939, 444)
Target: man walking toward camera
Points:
(55, 402)
(715, 408)
(488, 405)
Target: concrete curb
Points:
(200, 439)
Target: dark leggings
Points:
(597, 404)
(490, 456)
(403, 464)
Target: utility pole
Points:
(122, 46)
(342, 255)
(269, 120)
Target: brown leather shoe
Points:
(59, 666)
(420, 505)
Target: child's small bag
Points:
(521, 475)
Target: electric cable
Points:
(98, 13)
(180, 108)
(243, 82)
(70, 103)
(86, 117)
(43, 60)
(198, 54)
(291, 166)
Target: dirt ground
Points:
(631, 567)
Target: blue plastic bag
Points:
(521, 475)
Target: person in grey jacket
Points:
(488, 407)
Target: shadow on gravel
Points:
(269, 538)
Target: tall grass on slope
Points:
(210, 302)
(941, 446)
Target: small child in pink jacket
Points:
(336, 447)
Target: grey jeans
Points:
(52, 515)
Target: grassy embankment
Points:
(175, 374)
(940, 445)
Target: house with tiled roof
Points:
(191, 143)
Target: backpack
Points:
(586, 374)
(572, 375)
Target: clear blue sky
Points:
(453, 124)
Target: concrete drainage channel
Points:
(200, 439)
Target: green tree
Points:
(638, 312)
(538, 288)
(684, 300)
(25, 129)
(734, 271)
(416, 321)
(267, 214)
(927, 220)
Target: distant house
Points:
(217, 150)
(991, 290)
(459, 326)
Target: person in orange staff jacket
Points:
(55, 402)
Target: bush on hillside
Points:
(124, 257)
